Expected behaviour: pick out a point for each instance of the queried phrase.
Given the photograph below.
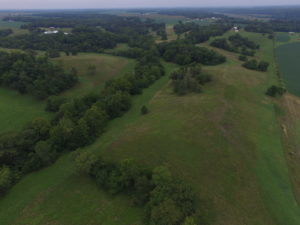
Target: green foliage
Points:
(45, 152)
(236, 43)
(274, 91)
(5, 32)
(189, 79)
(52, 53)
(189, 221)
(167, 200)
(243, 58)
(183, 52)
(6, 179)
(35, 75)
(54, 102)
(254, 65)
(144, 110)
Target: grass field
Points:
(16, 110)
(288, 58)
(56, 195)
(107, 67)
(226, 142)
(282, 37)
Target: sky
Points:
(63, 4)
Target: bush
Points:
(54, 102)
(168, 201)
(243, 58)
(6, 179)
(274, 91)
(189, 79)
(52, 53)
(144, 110)
(254, 65)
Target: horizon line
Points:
(152, 7)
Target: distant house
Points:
(235, 29)
(51, 32)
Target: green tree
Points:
(189, 221)
(6, 179)
(144, 110)
(96, 120)
(166, 213)
(45, 152)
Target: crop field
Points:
(16, 110)
(288, 58)
(107, 67)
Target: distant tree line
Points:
(167, 200)
(76, 123)
(5, 32)
(90, 32)
(274, 26)
(184, 52)
(236, 43)
(34, 75)
(189, 79)
(196, 33)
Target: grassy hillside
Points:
(107, 67)
(60, 196)
(16, 110)
(226, 142)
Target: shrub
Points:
(274, 91)
(144, 110)
(243, 58)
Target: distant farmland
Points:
(289, 64)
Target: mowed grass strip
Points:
(107, 67)
(57, 195)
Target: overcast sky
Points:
(55, 4)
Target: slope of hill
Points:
(226, 142)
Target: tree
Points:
(96, 120)
(144, 110)
(189, 221)
(54, 102)
(52, 53)
(6, 179)
(45, 152)
(263, 66)
(273, 91)
(166, 213)
(243, 58)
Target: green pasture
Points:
(107, 67)
(57, 195)
(17, 109)
(225, 142)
